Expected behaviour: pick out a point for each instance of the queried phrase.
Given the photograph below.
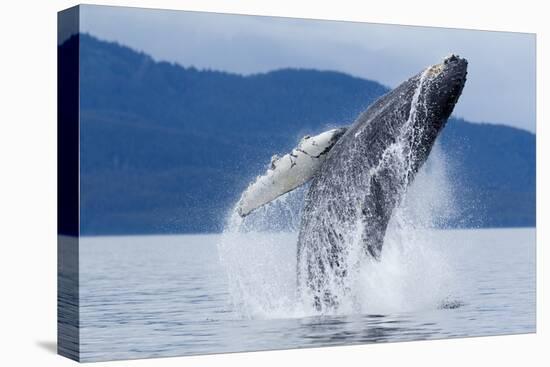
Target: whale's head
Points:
(446, 81)
(436, 93)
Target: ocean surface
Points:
(155, 296)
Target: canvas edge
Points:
(68, 57)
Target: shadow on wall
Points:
(48, 345)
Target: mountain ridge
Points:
(167, 148)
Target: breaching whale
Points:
(363, 175)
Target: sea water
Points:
(152, 296)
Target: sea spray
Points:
(413, 272)
(258, 254)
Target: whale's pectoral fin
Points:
(289, 171)
(376, 215)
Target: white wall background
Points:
(28, 181)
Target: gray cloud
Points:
(500, 88)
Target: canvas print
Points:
(234, 183)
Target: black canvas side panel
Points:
(68, 183)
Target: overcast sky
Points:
(501, 72)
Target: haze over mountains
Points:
(167, 149)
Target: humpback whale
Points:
(362, 176)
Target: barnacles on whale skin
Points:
(274, 159)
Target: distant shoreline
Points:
(275, 233)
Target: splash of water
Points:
(414, 273)
(259, 252)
